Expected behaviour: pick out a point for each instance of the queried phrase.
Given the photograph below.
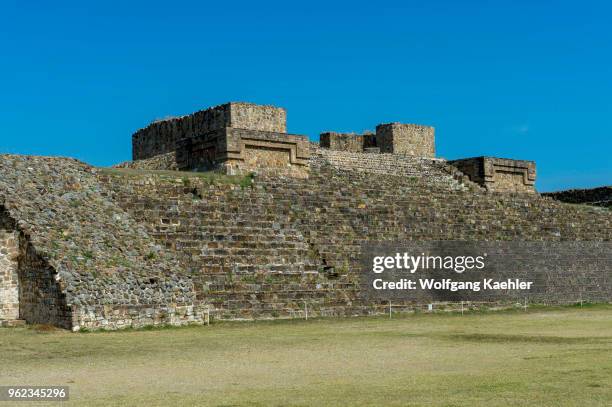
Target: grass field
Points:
(552, 357)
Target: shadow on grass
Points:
(503, 338)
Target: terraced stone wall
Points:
(284, 245)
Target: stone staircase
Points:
(268, 249)
(431, 170)
(245, 258)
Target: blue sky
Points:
(517, 79)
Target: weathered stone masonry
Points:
(83, 261)
(28, 289)
(234, 138)
(9, 282)
(410, 139)
(239, 151)
(160, 137)
(91, 248)
(499, 174)
(263, 251)
(393, 138)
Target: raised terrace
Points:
(264, 237)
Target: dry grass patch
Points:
(544, 357)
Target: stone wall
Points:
(342, 141)
(236, 137)
(9, 282)
(119, 248)
(436, 171)
(202, 153)
(408, 139)
(165, 161)
(79, 251)
(240, 151)
(41, 300)
(601, 196)
(112, 317)
(499, 174)
(160, 137)
(28, 288)
(257, 117)
(267, 153)
(267, 250)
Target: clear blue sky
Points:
(518, 79)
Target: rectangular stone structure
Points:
(408, 139)
(342, 141)
(242, 151)
(499, 174)
(161, 137)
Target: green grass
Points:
(211, 177)
(543, 357)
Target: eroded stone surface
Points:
(80, 251)
(499, 174)
(9, 282)
(95, 248)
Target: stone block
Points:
(407, 139)
(342, 141)
(160, 137)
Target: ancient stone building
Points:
(394, 138)
(409, 139)
(107, 248)
(236, 138)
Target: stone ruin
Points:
(393, 138)
(107, 248)
(240, 138)
(236, 138)
(499, 174)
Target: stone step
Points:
(249, 259)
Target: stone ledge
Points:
(499, 174)
(242, 151)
